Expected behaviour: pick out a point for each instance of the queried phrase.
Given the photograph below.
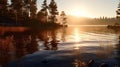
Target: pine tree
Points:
(17, 6)
(23, 9)
(33, 9)
(63, 18)
(26, 10)
(17, 9)
(44, 8)
(118, 11)
(53, 10)
(43, 14)
(3, 7)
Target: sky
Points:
(86, 8)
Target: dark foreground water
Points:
(66, 47)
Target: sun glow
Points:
(78, 13)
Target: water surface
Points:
(64, 47)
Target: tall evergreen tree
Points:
(63, 18)
(17, 6)
(118, 11)
(26, 9)
(43, 14)
(33, 9)
(44, 8)
(53, 10)
(17, 9)
(3, 7)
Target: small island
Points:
(24, 13)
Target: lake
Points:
(70, 46)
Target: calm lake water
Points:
(65, 47)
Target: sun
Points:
(78, 13)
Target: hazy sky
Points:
(88, 8)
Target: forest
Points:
(24, 13)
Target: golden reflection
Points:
(77, 35)
(77, 38)
(76, 48)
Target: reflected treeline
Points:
(63, 34)
(49, 39)
(15, 45)
(117, 51)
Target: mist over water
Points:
(87, 42)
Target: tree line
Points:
(26, 11)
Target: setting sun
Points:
(78, 13)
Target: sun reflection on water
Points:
(77, 35)
(77, 38)
(76, 47)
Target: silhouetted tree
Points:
(63, 18)
(44, 7)
(53, 10)
(118, 11)
(17, 9)
(17, 6)
(41, 17)
(26, 9)
(22, 9)
(42, 14)
(33, 9)
(3, 7)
